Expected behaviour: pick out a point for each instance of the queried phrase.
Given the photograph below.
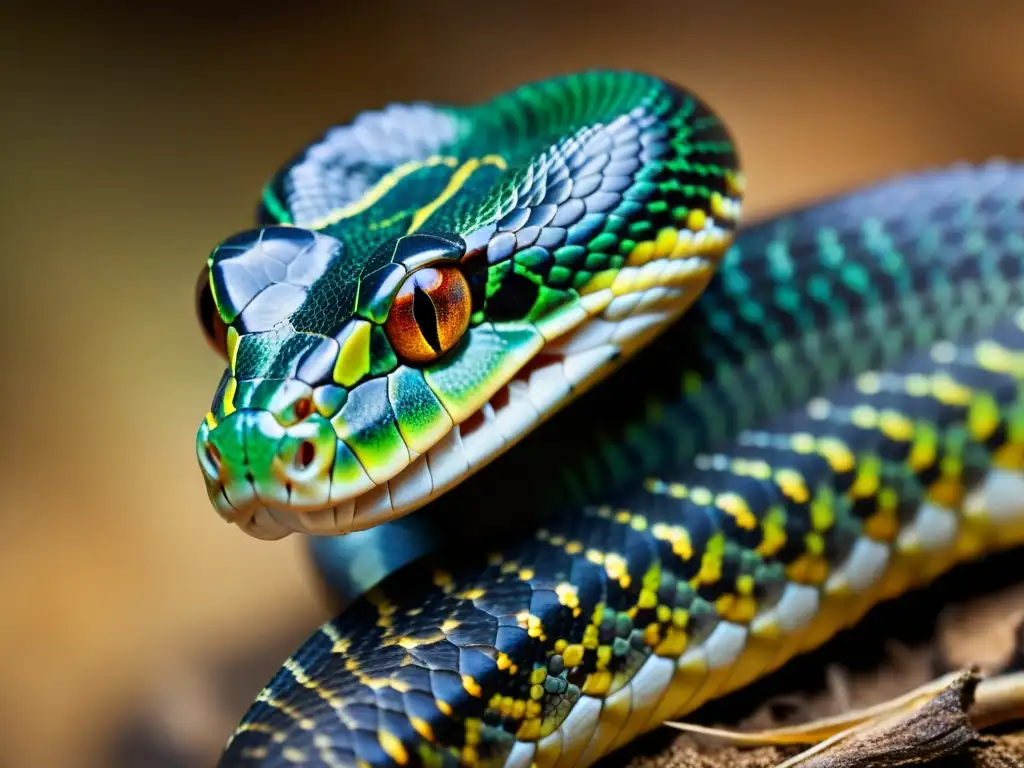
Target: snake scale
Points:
(836, 419)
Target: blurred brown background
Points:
(133, 141)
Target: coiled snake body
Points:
(838, 417)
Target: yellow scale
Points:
(766, 646)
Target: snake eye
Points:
(429, 314)
(214, 327)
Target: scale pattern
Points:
(843, 418)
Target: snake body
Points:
(837, 419)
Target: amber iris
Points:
(429, 314)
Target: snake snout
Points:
(221, 451)
(250, 460)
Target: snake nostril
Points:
(303, 408)
(305, 455)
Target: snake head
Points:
(326, 397)
(385, 342)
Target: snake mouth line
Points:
(515, 409)
(567, 366)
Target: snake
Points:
(659, 453)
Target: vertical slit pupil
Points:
(426, 317)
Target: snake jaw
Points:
(376, 455)
(577, 356)
(374, 458)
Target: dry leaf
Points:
(915, 735)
